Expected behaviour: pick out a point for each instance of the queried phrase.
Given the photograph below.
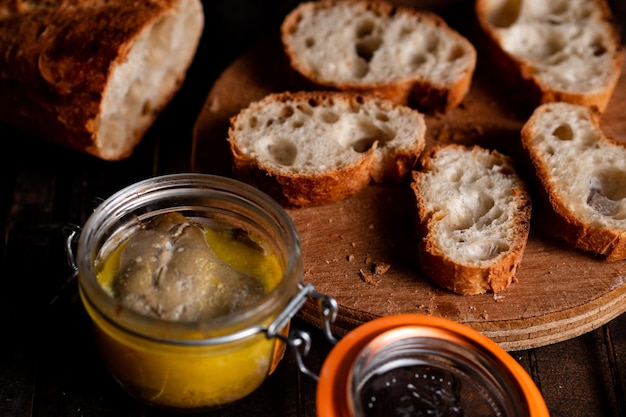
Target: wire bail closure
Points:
(299, 340)
(71, 233)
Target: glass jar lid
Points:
(414, 365)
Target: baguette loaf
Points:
(313, 148)
(582, 176)
(553, 50)
(473, 217)
(398, 53)
(93, 75)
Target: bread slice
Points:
(312, 148)
(553, 50)
(93, 75)
(398, 53)
(582, 176)
(473, 218)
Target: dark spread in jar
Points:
(168, 269)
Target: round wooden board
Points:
(559, 293)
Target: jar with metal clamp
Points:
(222, 343)
(416, 365)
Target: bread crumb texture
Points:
(570, 45)
(473, 216)
(353, 41)
(471, 201)
(398, 53)
(310, 133)
(583, 172)
(156, 62)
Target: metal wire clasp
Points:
(71, 233)
(299, 340)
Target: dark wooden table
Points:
(48, 361)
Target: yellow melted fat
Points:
(192, 377)
(241, 256)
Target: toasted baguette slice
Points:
(553, 51)
(312, 148)
(398, 53)
(473, 217)
(93, 75)
(582, 174)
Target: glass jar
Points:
(415, 365)
(201, 364)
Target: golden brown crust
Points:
(559, 223)
(56, 62)
(520, 76)
(294, 191)
(468, 278)
(414, 91)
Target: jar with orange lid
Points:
(416, 365)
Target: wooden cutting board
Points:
(560, 293)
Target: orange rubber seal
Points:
(331, 396)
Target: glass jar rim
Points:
(334, 385)
(223, 329)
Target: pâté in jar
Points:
(190, 281)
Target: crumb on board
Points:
(424, 309)
(367, 277)
(497, 297)
(376, 269)
(380, 268)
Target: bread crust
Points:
(557, 217)
(57, 62)
(438, 263)
(468, 279)
(417, 91)
(294, 188)
(520, 75)
(295, 191)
